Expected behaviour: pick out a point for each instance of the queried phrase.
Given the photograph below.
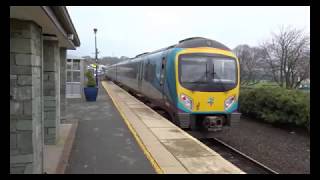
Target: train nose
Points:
(207, 102)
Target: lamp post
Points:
(95, 37)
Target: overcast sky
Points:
(128, 31)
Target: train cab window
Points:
(197, 66)
(225, 70)
(207, 72)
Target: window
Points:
(224, 70)
(193, 70)
(76, 76)
(207, 72)
(76, 65)
(69, 76)
(73, 70)
(150, 71)
(146, 70)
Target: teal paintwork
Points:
(171, 74)
(233, 108)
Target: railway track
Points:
(241, 160)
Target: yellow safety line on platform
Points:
(134, 133)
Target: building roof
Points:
(62, 14)
(54, 21)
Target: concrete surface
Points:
(103, 143)
(56, 156)
(171, 149)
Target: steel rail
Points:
(246, 156)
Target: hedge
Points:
(276, 105)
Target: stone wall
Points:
(51, 90)
(63, 78)
(26, 132)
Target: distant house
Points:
(305, 84)
(101, 69)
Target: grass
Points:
(261, 84)
(269, 84)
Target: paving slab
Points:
(209, 165)
(56, 155)
(174, 170)
(168, 133)
(181, 148)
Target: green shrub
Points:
(91, 81)
(276, 105)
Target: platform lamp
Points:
(95, 37)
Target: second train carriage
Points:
(195, 81)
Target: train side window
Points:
(163, 63)
(141, 70)
(136, 69)
(152, 71)
(146, 70)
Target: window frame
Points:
(208, 87)
(71, 70)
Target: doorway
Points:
(74, 76)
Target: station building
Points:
(39, 39)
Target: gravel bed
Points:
(286, 151)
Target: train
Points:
(195, 82)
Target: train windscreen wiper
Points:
(213, 73)
(206, 71)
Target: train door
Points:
(140, 76)
(163, 74)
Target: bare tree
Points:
(250, 63)
(287, 57)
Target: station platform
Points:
(168, 148)
(103, 143)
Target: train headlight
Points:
(187, 101)
(229, 101)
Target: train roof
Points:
(200, 42)
(191, 43)
(139, 55)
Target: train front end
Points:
(207, 83)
